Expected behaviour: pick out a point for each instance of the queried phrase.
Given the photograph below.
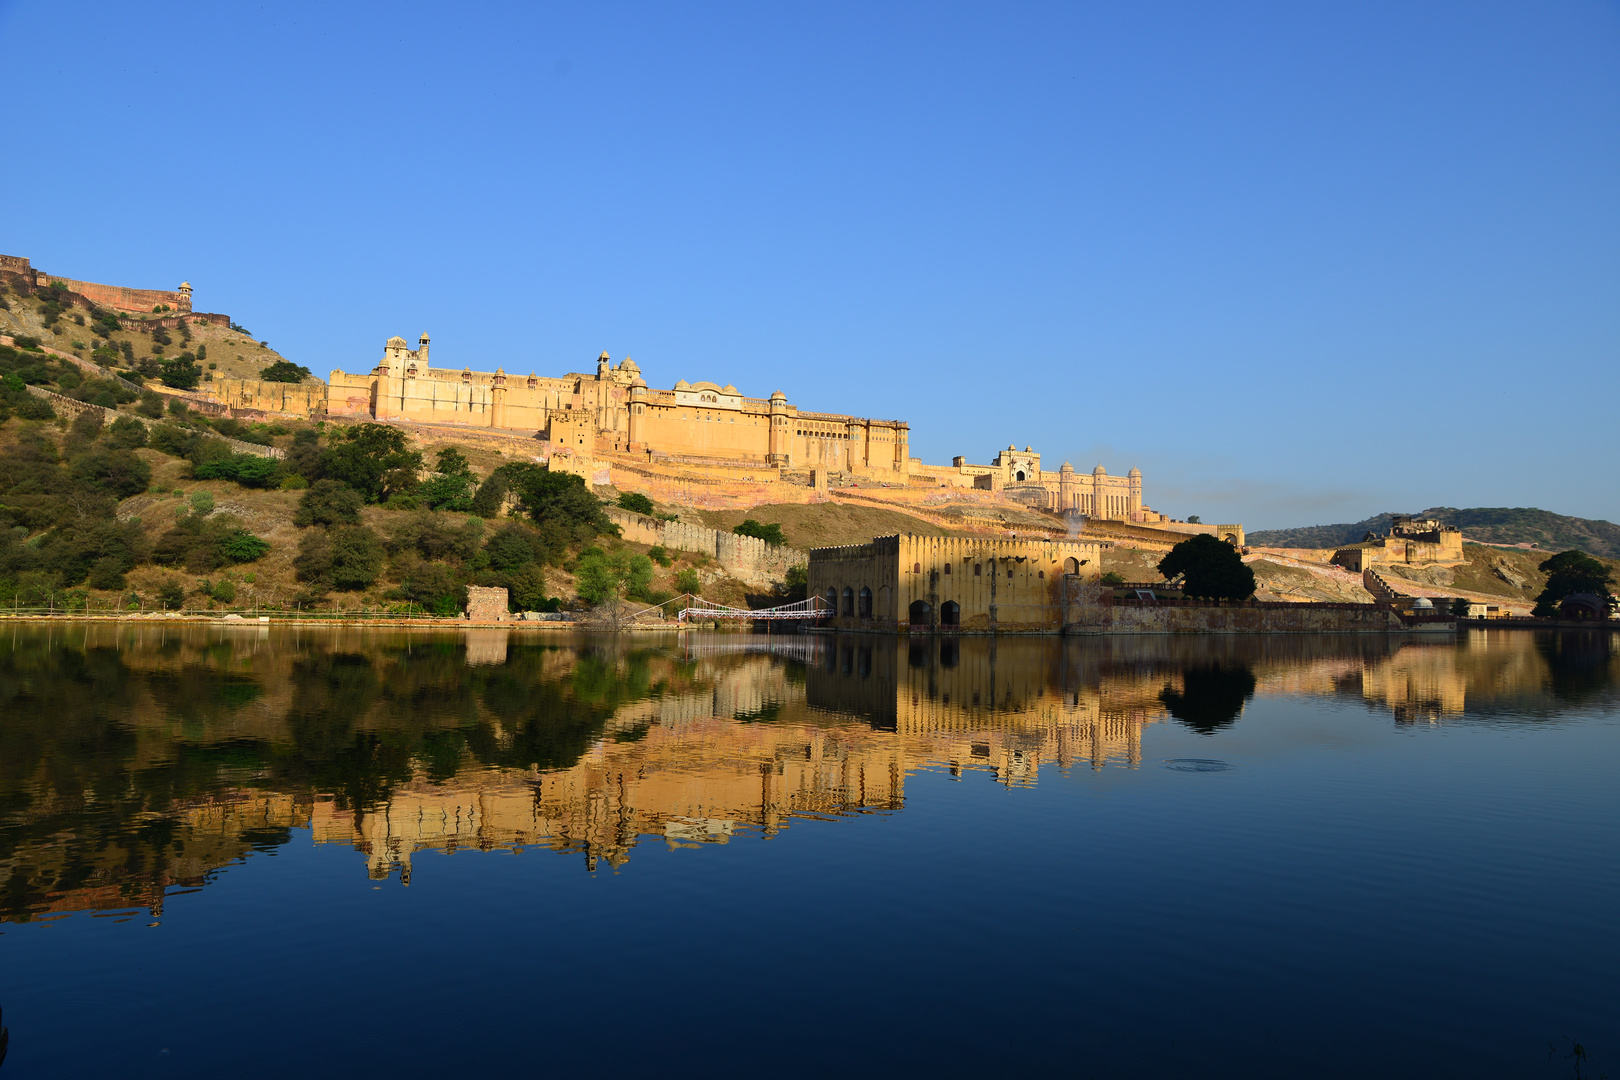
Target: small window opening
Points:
(978, 569)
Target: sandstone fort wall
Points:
(745, 557)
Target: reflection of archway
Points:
(950, 613)
(920, 610)
(866, 602)
(849, 600)
(1071, 565)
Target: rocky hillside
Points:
(1486, 524)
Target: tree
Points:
(1209, 568)
(559, 500)
(687, 581)
(771, 534)
(284, 371)
(119, 473)
(796, 586)
(602, 577)
(347, 557)
(451, 486)
(527, 587)
(1571, 572)
(636, 503)
(180, 373)
(328, 502)
(373, 459)
(1194, 519)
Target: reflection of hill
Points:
(133, 762)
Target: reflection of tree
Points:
(1577, 663)
(105, 751)
(1212, 696)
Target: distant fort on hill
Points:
(118, 298)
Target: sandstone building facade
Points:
(615, 411)
(949, 583)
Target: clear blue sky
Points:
(1299, 262)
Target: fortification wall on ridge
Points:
(746, 557)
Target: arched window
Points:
(916, 568)
(947, 569)
(832, 601)
(978, 569)
(1009, 570)
(849, 600)
(1071, 565)
(950, 613)
(866, 602)
(1041, 574)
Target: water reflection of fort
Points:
(137, 762)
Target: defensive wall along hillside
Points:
(747, 558)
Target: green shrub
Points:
(249, 470)
(373, 459)
(151, 404)
(172, 595)
(284, 371)
(636, 503)
(294, 482)
(126, 433)
(224, 591)
(181, 373)
(328, 502)
(527, 588)
(118, 473)
(202, 503)
(687, 581)
(601, 577)
(660, 556)
(346, 557)
(771, 534)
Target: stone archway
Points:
(950, 613)
(921, 610)
(1071, 565)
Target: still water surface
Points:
(272, 852)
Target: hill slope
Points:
(1486, 524)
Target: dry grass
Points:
(819, 524)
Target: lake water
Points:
(348, 853)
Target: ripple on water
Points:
(1197, 764)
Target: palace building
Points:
(615, 411)
(969, 583)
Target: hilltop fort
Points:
(612, 415)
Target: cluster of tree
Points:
(1569, 573)
(426, 550)
(59, 527)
